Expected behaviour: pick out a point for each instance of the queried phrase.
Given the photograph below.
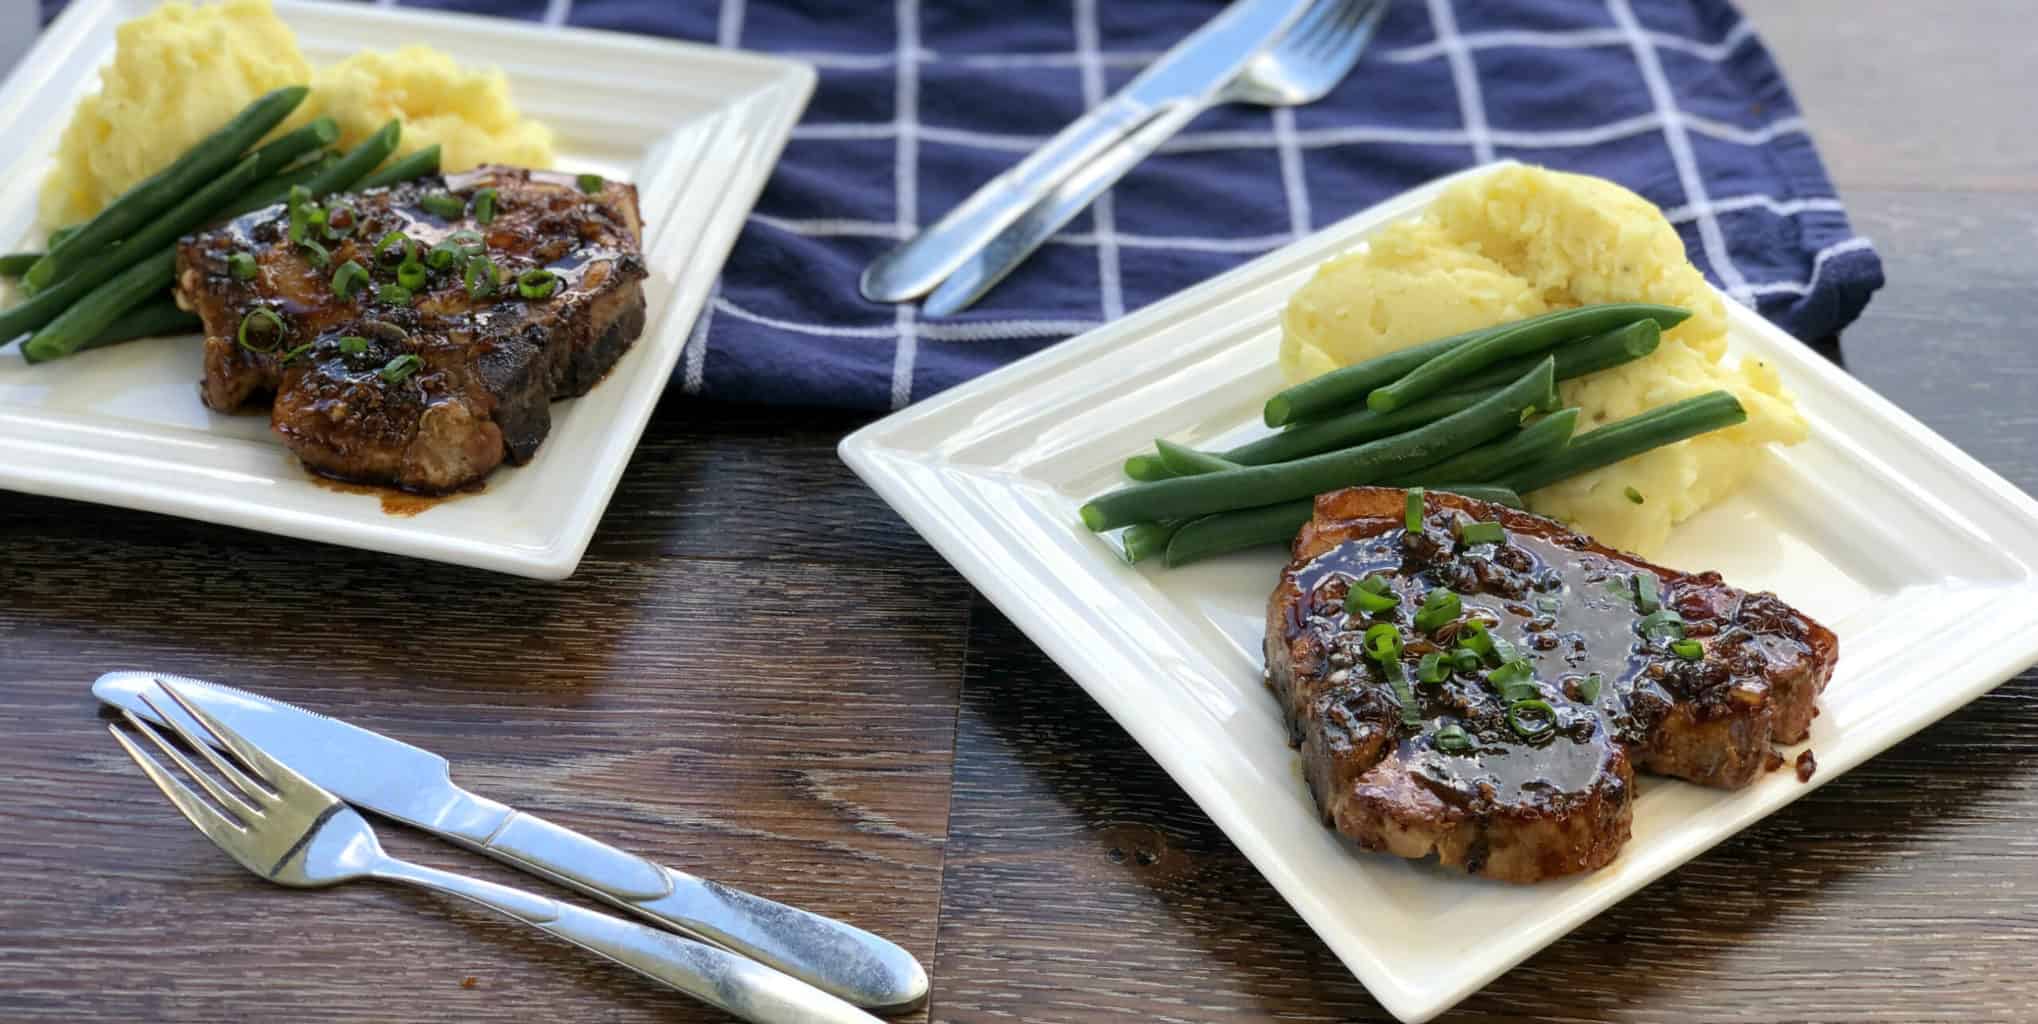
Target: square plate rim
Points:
(780, 95)
(870, 454)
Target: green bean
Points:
(1348, 385)
(1146, 467)
(91, 316)
(167, 188)
(1251, 486)
(284, 150)
(1237, 530)
(1318, 436)
(85, 275)
(1481, 492)
(149, 320)
(1182, 460)
(1605, 351)
(358, 163)
(1145, 540)
(1537, 334)
(15, 264)
(417, 165)
(277, 189)
(1609, 444)
(1535, 441)
(57, 237)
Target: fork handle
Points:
(741, 986)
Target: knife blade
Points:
(415, 786)
(1187, 74)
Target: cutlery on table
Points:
(1175, 87)
(283, 827)
(415, 786)
(1301, 67)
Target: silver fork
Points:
(283, 827)
(1301, 67)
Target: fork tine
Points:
(1307, 29)
(228, 800)
(275, 773)
(1365, 20)
(225, 768)
(227, 834)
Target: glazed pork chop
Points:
(432, 389)
(1584, 666)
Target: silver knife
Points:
(415, 786)
(1187, 75)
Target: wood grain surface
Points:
(761, 674)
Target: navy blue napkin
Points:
(921, 101)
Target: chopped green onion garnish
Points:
(1647, 598)
(300, 223)
(1413, 516)
(316, 254)
(1465, 659)
(1634, 496)
(350, 276)
(411, 276)
(1374, 583)
(484, 206)
(299, 195)
(481, 276)
(1514, 680)
(444, 256)
(1439, 606)
(442, 205)
(590, 183)
(393, 295)
(1502, 650)
(1473, 636)
(1452, 739)
(265, 321)
(242, 265)
(353, 345)
(1364, 602)
(1532, 719)
(1689, 650)
(1549, 604)
(537, 283)
(340, 220)
(1588, 689)
(1432, 669)
(407, 247)
(465, 236)
(1481, 533)
(1411, 716)
(1383, 642)
(295, 352)
(1661, 624)
(400, 368)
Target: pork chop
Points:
(432, 390)
(1521, 773)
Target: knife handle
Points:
(918, 264)
(840, 959)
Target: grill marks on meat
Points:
(490, 366)
(1512, 809)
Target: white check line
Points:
(557, 12)
(1751, 201)
(1574, 39)
(834, 227)
(694, 367)
(1710, 237)
(1103, 212)
(1294, 184)
(1855, 244)
(906, 114)
(1465, 77)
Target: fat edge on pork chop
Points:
(1517, 760)
(527, 295)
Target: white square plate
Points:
(1875, 526)
(696, 128)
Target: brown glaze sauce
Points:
(396, 502)
(1569, 612)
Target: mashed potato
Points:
(180, 72)
(466, 112)
(1522, 241)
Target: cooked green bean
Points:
(1348, 385)
(167, 188)
(1537, 334)
(92, 315)
(1535, 441)
(1483, 492)
(1234, 531)
(15, 264)
(1182, 460)
(1145, 540)
(276, 189)
(152, 319)
(158, 234)
(357, 164)
(417, 165)
(1146, 466)
(1251, 486)
(1632, 436)
(1318, 436)
(1605, 351)
(280, 153)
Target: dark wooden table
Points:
(762, 674)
